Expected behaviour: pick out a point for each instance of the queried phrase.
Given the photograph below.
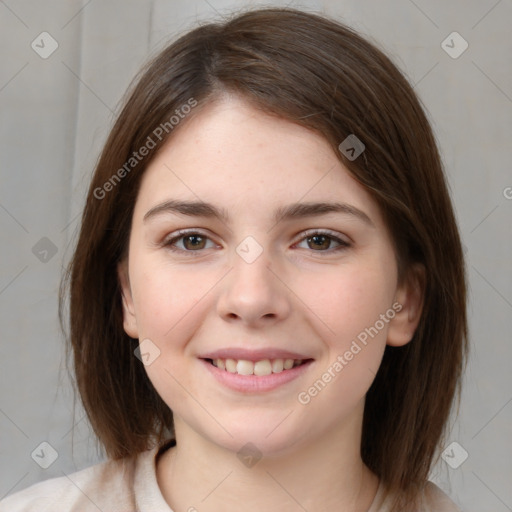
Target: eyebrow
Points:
(289, 212)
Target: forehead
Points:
(238, 157)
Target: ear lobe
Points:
(129, 318)
(410, 296)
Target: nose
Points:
(254, 293)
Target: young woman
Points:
(268, 296)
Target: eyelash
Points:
(308, 234)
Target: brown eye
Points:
(321, 242)
(188, 242)
(194, 242)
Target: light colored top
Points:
(130, 485)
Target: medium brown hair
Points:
(322, 75)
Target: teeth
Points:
(259, 368)
(230, 365)
(245, 367)
(277, 366)
(262, 367)
(288, 364)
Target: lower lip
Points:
(256, 383)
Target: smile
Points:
(262, 375)
(262, 367)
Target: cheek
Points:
(353, 307)
(165, 299)
(168, 305)
(351, 299)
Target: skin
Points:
(298, 295)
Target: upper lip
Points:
(252, 355)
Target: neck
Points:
(327, 474)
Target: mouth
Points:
(260, 368)
(255, 376)
(255, 370)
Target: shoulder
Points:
(435, 500)
(106, 486)
(431, 499)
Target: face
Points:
(260, 304)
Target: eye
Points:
(195, 241)
(321, 240)
(192, 241)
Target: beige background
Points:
(56, 112)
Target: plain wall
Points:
(55, 114)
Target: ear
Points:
(410, 296)
(129, 318)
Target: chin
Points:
(258, 438)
